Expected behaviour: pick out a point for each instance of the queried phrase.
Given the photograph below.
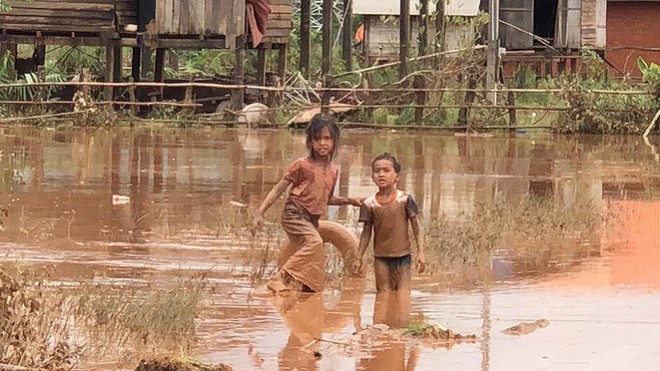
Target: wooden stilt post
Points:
(561, 65)
(326, 58)
(40, 52)
(281, 62)
(13, 52)
(464, 112)
(117, 68)
(493, 50)
(238, 95)
(420, 82)
(420, 98)
(261, 67)
(347, 35)
(439, 26)
(404, 37)
(109, 69)
(511, 101)
(305, 20)
(423, 27)
(131, 97)
(159, 70)
(136, 64)
(573, 64)
(147, 66)
(118, 54)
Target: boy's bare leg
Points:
(402, 278)
(383, 275)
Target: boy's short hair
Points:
(386, 156)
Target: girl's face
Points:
(383, 174)
(323, 145)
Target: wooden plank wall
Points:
(82, 16)
(573, 38)
(126, 12)
(383, 37)
(201, 17)
(280, 22)
(588, 22)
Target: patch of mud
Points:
(525, 328)
(185, 364)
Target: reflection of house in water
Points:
(179, 178)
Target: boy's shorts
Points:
(393, 273)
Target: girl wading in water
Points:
(312, 180)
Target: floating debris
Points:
(525, 328)
(436, 332)
(238, 204)
(120, 200)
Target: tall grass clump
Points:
(522, 228)
(125, 315)
(35, 324)
(53, 327)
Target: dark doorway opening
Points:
(545, 17)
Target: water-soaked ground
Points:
(185, 214)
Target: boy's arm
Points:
(273, 195)
(420, 260)
(365, 237)
(335, 200)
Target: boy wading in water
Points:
(312, 180)
(389, 213)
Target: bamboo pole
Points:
(648, 129)
(285, 88)
(305, 20)
(438, 128)
(347, 35)
(326, 51)
(392, 64)
(100, 103)
(52, 115)
(404, 37)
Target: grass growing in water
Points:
(530, 227)
(164, 314)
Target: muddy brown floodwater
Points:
(183, 214)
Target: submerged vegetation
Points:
(538, 233)
(436, 332)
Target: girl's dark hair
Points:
(314, 129)
(386, 156)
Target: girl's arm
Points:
(365, 237)
(420, 260)
(273, 195)
(334, 200)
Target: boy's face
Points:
(323, 144)
(383, 174)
